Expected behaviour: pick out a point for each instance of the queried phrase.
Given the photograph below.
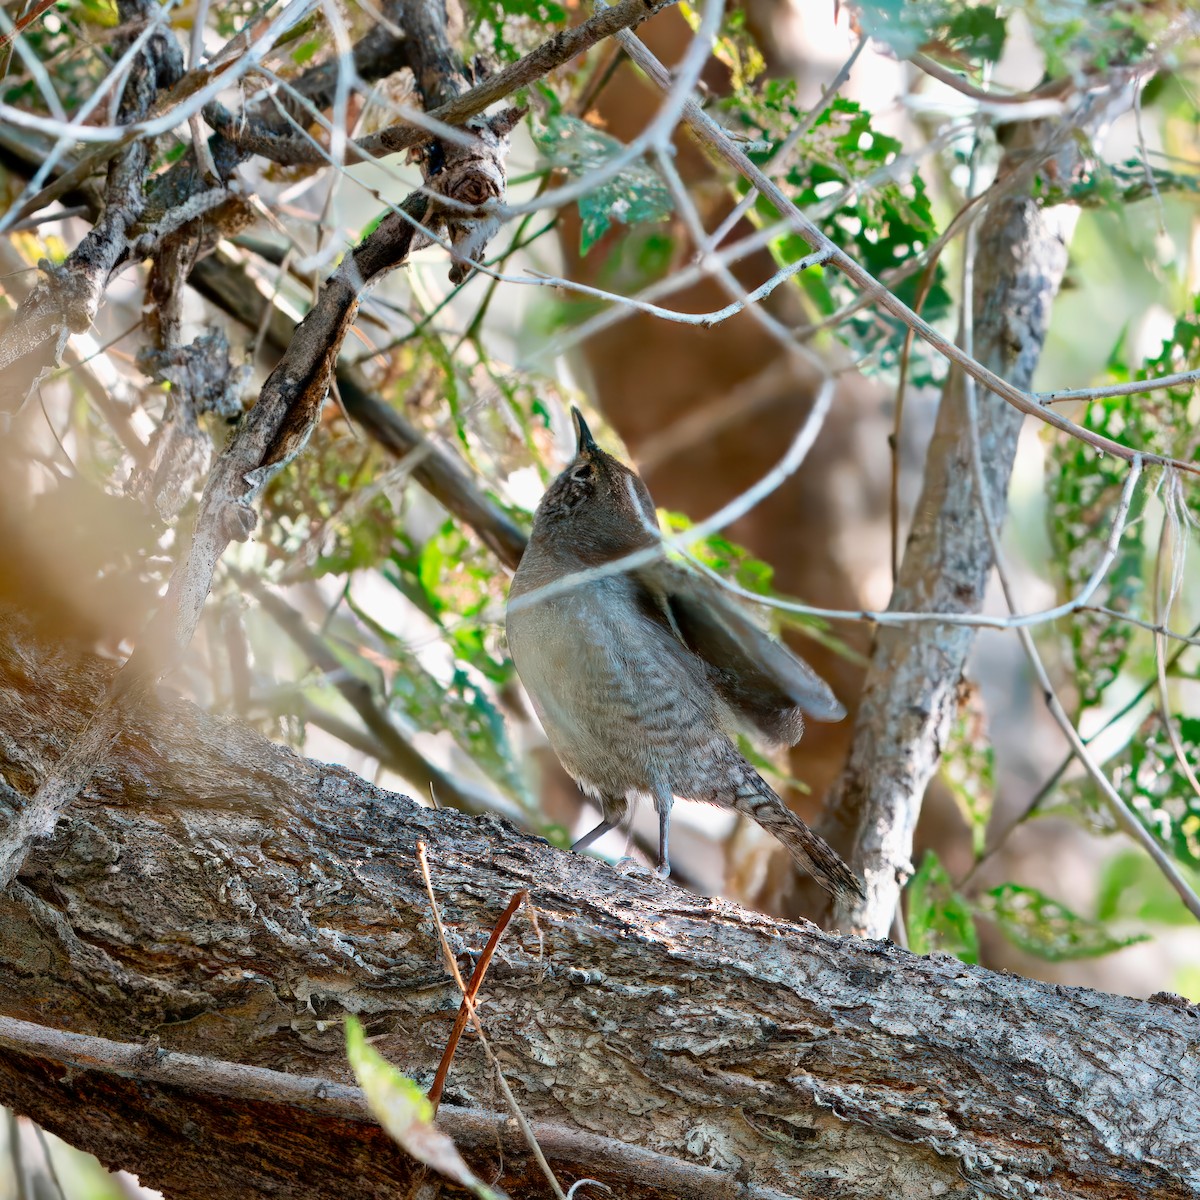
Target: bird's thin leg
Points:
(663, 802)
(593, 835)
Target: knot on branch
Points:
(72, 292)
(201, 375)
(237, 521)
(202, 380)
(469, 177)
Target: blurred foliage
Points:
(1073, 35)
(1045, 928)
(1132, 888)
(969, 767)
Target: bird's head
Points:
(597, 508)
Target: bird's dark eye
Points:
(577, 486)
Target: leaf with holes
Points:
(1149, 773)
(1044, 927)
(634, 195)
(883, 226)
(1085, 489)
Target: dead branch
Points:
(66, 300)
(283, 146)
(436, 468)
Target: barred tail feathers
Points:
(811, 852)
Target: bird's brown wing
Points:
(761, 680)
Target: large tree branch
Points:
(232, 900)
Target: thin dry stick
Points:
(464, 1009)
(1188, 639)
(960, 84)
(448, 954)
(923, 288)
(177, 105)
(728, 281)
(715, 138)
(1136, 388)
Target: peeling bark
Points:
(231, 900)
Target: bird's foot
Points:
(631, 866)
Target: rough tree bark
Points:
(216, 895)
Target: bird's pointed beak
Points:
(584, 442)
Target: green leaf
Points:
(1044, 927)
(979, 32)
(100, 12)
(882, 226)
(513, 26)
(1148, 772)
(1133, 888)
(405, 1113)
(634, 195)
(306, 50)
(969, 769)
(938, 917)
(896, 23)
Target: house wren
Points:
(641, 672)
